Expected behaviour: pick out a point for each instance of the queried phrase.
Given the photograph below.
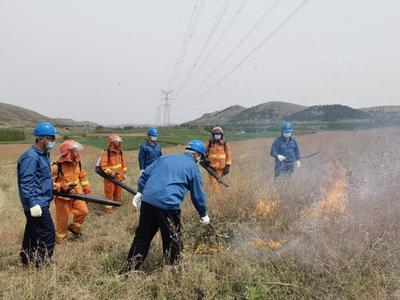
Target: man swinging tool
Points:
(286, 152)
(161, 191)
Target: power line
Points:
(238, 11)
(259, 21)
(214, 28)
(186, 41)
(267, 38)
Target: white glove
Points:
(36, 211)
(141, 172)
(137, 200)
(281, 158)
(205, 220)
(298, 163)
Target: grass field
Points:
(331, 231)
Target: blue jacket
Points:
(34, 178)
(148, 154)
(286, 147)
(165, 182)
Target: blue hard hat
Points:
(152, 132)
(286, 127)
(198, 146)
(45, 129)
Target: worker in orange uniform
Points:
(69, 177)
(112, 162)
(219, 155)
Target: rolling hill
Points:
(16, 116)
(218, 117)
(384, 113)
(329, 113)
(260, 114)
(275, 112)
(266, 113)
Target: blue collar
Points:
(39, 151)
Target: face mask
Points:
(153, 138)
(287, 134)
(50, 146)
(217, 137)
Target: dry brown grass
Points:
(331, 231)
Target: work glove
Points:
(137, 200)
(205, 220)
(86, 190)
(66, 188)
(281, 158)
(298, 163)
(36, 211)
(226, 170)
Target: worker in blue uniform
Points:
(36, 192)
(161, 190)
(150, 151)
(286, 152)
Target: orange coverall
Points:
(63, 173)
(219, 154)
(112, 162)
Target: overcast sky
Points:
(106, 61)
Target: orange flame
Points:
(265, 209)
(266, 244)
(205, 249)
(333, 204)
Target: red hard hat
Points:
(70, 145)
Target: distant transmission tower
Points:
(166, 104)
(157, 118)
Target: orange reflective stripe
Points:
(77, 225)
(114, 167)
(61, 235)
